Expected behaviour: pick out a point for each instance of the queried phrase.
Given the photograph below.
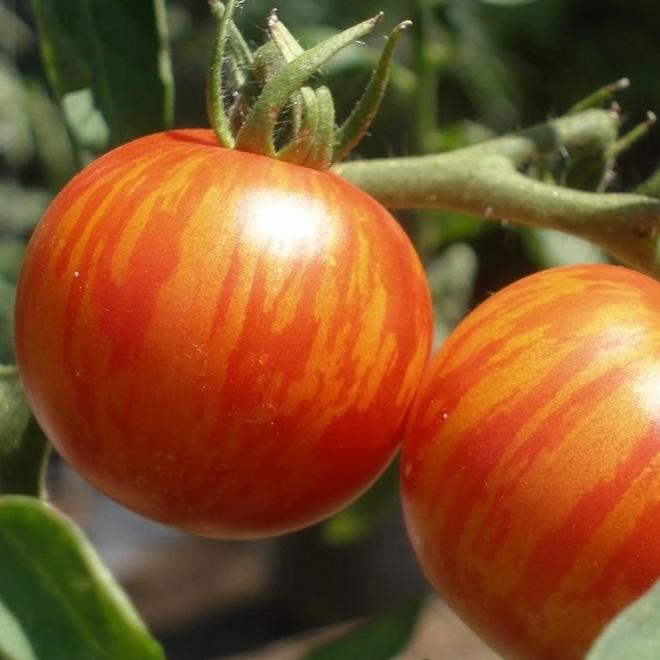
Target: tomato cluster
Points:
(232, 345)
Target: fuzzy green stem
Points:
(219, 118)
(483, 180)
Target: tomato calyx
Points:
(274, 112)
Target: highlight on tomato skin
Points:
(530, 466)
(221, 341)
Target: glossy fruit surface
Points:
(531, 461)
(221, 341)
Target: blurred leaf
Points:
(16, 146)
(461, 133)
(52, 145)
(11, 257)
(21, 208)
(549, 248)
(57, 600)
(481, 69)
(451, 277)
(7, 296)
(87, 124)
(380, 638)
(15, 35)
(354, 523)
(116, 50)
(434, 229)
(507, 3)
(634, 633)
(23, 447)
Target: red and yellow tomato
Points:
(221, 341)
(531, 462)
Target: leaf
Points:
(116, 50)
(57, 600)
(7, 297)
(11, 257)
(550, 248)
(451, 276)
(23, 447)
(382, 637)
(634, 633)
(508, 3)
(354, 523)
(21, 207)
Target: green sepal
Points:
(355, 127)
(257, 133)
(631, 137)
(320, 154)
(241, 56)
(598, 97)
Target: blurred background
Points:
(466, 71)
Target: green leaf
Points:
(354, 523)
(508, 3)
(550, 248)
(11, 257)
(23, 448)
(57, 600)
(634, 633)
(451, 276)
(21, 207)
(7, 297)
(17, 145)
(116, 50)
(380, 638)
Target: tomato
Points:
(531, 461)
(220, 341)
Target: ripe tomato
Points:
(531, 461)
(221, 341)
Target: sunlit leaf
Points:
(550, 248)
(635, 633)
(383, 636)
(116, 50)
(57, 600)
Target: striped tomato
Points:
(221, 341)
(531, 462)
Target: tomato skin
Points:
(220, 341)
(531, 461)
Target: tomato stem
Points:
(219, 118)
(487, 180)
